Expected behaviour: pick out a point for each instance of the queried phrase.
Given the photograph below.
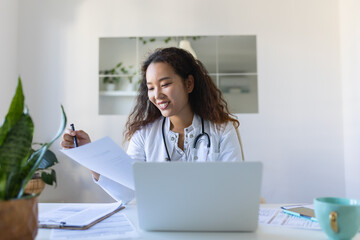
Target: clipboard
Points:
(95, 213)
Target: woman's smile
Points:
(163, 105)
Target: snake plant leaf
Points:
(13, 185)
(14, 153)
(36, 158)
(17, 145)
(62, 126)
(3, 178)
(16, 133)
(15, 111)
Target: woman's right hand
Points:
(68, 138)
(82, 139)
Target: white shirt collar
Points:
(195, 124)
(170, 136)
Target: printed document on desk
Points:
(117, 226)
(276, 217)
(78, 215)
(107, 158)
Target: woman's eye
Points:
(166, 84)
(150, 89)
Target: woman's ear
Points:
(189, 84)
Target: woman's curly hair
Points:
(205, 100)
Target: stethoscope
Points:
(203, 133)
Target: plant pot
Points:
(35, 186)
(127, 86)
(19, 218)
(110, 86)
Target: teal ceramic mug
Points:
(339, 218)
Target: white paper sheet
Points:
(276, 216)
(105, 157)
(116, 226)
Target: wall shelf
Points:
(118, 93)
(230, 60)
(232, 74)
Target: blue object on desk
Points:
(302, 212)
(300, 215)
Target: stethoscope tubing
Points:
(203, 133)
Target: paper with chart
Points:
(276, 216)
(105, 157)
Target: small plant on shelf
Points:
(109, 75)
(129, 72)
(114, 75)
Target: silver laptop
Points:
(208, 196)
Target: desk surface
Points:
(263, 231)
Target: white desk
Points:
(263, 231)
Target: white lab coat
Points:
(147, 145)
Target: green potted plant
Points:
(18, 163)
(110, 77)
(129, 74)
(45, 174)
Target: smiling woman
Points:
(167, 90)
(178, 86)
(169, 93)
(180, 115)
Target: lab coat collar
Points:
(196, 122)
(194, 128)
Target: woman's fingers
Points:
(82, 137)
(68, 131)
(68, 138)
(67, 141)
(81, 134)
(67, 144)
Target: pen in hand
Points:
(74, 137)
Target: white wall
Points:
(350, 74)
(298, 131)
(8, 53)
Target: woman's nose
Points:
(158, 93)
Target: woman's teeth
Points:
(163, 105)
